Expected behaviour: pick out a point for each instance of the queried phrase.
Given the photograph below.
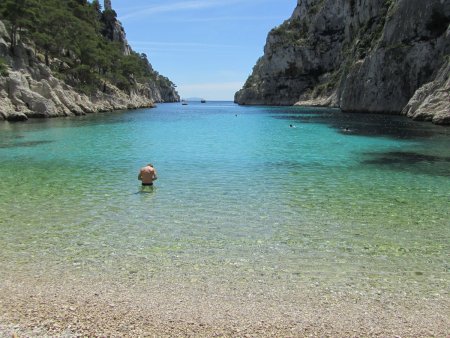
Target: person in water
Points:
(147, 175)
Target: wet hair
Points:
(151, 165)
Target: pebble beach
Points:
(76, 308)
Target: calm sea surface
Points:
(241, 195)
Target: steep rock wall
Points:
(359, 55)
(30, 90)
(114, 30)
(34, 92)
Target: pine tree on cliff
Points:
(19, 14)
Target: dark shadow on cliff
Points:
(376, 125)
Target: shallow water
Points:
(241, 197)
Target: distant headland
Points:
(84, 66)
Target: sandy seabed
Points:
(74, 306)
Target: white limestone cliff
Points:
(360, 55)
(30, 90)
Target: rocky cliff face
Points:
(114, 30)
(157, 90)
(383, 56)
(28, 89)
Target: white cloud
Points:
(175, 7)
(172, 48)
(179, 19)
(180, 44)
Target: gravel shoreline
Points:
(73, 307)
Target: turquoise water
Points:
(240, 196)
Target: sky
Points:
(206, 47)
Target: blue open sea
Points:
(241, 195)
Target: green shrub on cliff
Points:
(18, 14)
(3, 68)
(291, 32)
(74, 36)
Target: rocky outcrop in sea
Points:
(29, 89)
(377, 56)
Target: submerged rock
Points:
(361, 56)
